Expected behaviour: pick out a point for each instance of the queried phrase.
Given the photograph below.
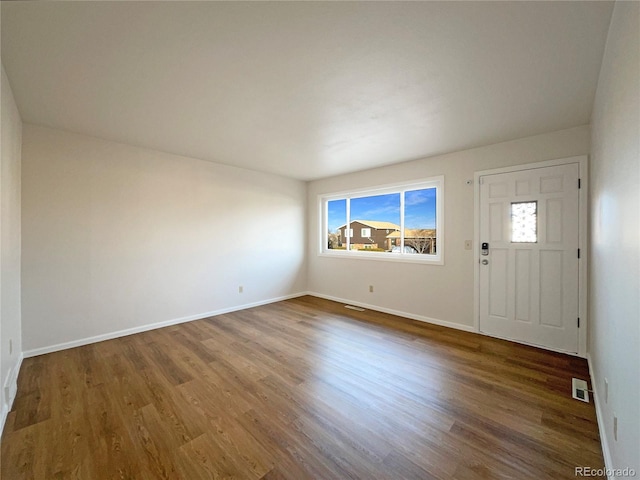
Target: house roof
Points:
(375, 224)
(414, 233)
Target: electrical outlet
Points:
(370, 288)
(606, 391)
(240, 289)
(615, 427)
(467, 244)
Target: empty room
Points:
(320, 240)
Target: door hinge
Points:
(578, 253)
(579, 183)
(578, 322)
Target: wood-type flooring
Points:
(300, 389)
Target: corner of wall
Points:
(10, 389)
(604, 440)
(10, 247)
(614, 331)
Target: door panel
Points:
(553, 224)
(551, 294)
(498, 283)
(523, 285)
(529, 280)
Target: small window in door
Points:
(524, 222)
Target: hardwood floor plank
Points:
(157, 443)
(300, 389)
(205, 459)
(164, 363)
(405, 468)
(34, 405)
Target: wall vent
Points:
(580, 390)
(352, 307)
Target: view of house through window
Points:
(403, 222)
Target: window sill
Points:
(386, 257)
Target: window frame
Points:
(511, 222)
(436, 182)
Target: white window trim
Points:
(436, 182)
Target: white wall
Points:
(443, 294)
(615, 239)
(118, 238)
(10, 328)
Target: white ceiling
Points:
(305, 89)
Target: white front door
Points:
(529, 275)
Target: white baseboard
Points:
(151, 326)
(12, 380)
(604, 440)
(412, 316)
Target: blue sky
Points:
(419, 206)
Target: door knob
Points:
(485, 262)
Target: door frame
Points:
(583, 166)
